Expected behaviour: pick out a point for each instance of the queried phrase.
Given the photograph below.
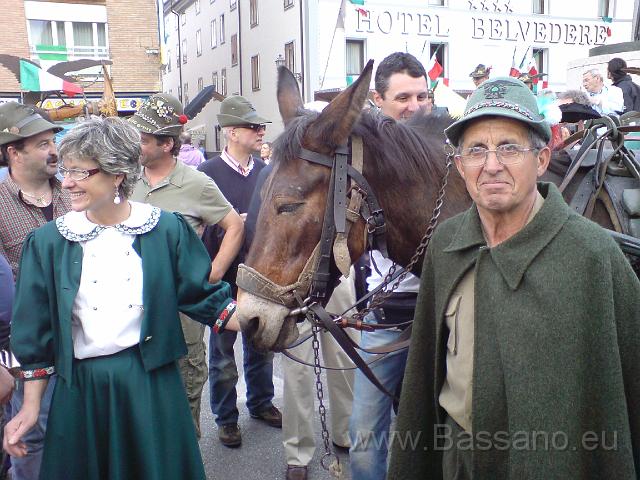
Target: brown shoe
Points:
(271, 416)
(229, 435)
(296, 472)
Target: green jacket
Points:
(175, 267)
(557, 352)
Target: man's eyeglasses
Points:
(76, 174)
(256, 127)
(508, 154)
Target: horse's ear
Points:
(334, 124)
(289, 98)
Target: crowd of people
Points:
(123, 242)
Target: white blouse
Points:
(107, 311)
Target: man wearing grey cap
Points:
(525, 353)
(171, 185)
(236, 172)
(30, 196)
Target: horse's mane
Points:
(399, 150)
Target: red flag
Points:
(545, 84)
(445, 81)
(514, 72)
(434, 69)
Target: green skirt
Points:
(118, 422)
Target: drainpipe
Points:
(179, 53)
(240, 46)
(303, 76)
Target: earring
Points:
(116, 197)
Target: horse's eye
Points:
(288, 207)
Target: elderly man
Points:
(236, 172)
(169, 184)
(525, 354)
(605, 99)
(480, 74)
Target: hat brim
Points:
(146, 127)
(226, 120)
(35, 127)
(454, 131)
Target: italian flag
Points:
(434, 69)
(34, 79)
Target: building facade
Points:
(234, 44)
(52, 31)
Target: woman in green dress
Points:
(97, 302)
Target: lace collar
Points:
(76, 227)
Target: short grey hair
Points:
(594, 72)
(576, 96)
(113, 143)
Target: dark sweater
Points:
(630, 92)
(238, 189)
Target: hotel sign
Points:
(506, 27)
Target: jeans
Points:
(28, 467)
(370, 421)
(223, 377)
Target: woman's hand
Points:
(17, 427)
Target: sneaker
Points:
(229, 435)
(271, 416)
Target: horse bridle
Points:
(313, 281)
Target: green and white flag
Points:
(35, 79)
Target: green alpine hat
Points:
(236, 111)
(161, 114)
(480, 71)
(501, 97)
(18, 121)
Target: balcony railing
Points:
(49, 55)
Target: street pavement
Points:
(261, 455)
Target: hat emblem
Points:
(495, 90)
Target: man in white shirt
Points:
(605, 99)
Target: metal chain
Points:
(383, 295)
(317, 369)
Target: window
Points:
(540, 55)
(185, 92)
(233, 4)
(539, 6)
(255, 72)
(214, 80)
(222, 34)
(603, 8)
(437, 3)
(440, 49)
(223, 81)
(197, 5)
(178, 55)
(288, 4)
(214, 34)
(168, 60)
(290, 56)
(253, 13)
(234, 50)
(200, 84)
(198, 43)
(42, 32)
(354, 62)
(184, 51)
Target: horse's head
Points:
(289, 225)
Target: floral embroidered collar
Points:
(76, 227)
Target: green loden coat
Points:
(557, 352)
(41, 329)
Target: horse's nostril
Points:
(252, 327)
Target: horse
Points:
(403, 163)
(407, 156)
